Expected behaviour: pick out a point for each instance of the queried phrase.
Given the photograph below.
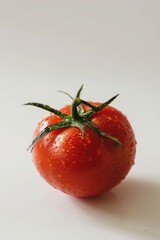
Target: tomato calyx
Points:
(78, 118)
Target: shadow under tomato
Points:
(134, 205)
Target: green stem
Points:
(78, 118)
(75, 114)
(49, 129)
(91, 112)
(75, 104)
(79, 92)
(48, 108)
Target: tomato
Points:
(80, 158)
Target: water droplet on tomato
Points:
(98, 152)
(88, 140)
(90, 159)
(130, 162)
(40, 145)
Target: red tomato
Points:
(90, 165)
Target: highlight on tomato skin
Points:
(84, 149)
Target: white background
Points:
(111, 47)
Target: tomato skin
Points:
(90, 166)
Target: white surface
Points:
(112, 47)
